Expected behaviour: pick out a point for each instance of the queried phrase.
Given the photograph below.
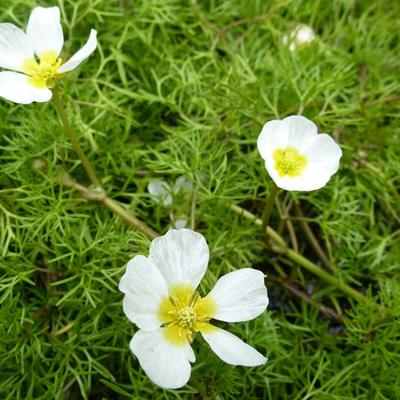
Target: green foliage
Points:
(182, 88)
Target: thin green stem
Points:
(70, 132)
(98, 196)
(326, 276)
(282, 248)
(311, 237)
(128, 217)
(289, 285)
(268, 206)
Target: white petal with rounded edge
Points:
(82, 54)
(15, 87)
(160, 191)
(274, 134)
(144, 289)
(166, 365)
(44, 30)
(310, 180)
(300, 130)
(323, 153)
(232, 350)
(240, 295)
(181, 256)
(15, 47)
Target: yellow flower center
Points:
(43, 74)
(186, 317)
(289, 162)
(184, 313)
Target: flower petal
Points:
(15, 47)
(323, 152)
(231, 349)
(160, 191)
(311, 180)
(82, 54)
(181, 256)
(15, 87)
(166, 365)
(274, 134)
(240, 295)
(144, 289)
(300, 129)
(45, 31)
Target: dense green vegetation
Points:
(182, 88)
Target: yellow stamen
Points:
(184, 313)
(43, 74)
(289, 162)
(186, 317)
(176, 335)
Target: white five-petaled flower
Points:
(296, 156)
(33, 57)
(161, 299)
(300, 36)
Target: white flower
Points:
(161, 299)
(296, 156)
(163, 192)
(30, 78)
(300, 36)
